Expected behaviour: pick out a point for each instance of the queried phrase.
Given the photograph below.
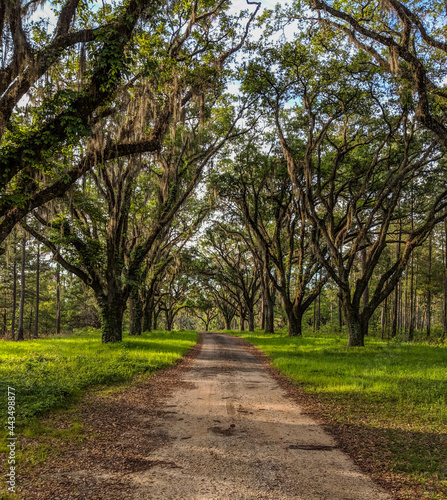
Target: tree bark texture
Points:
(111, 311)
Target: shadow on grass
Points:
(412, 462)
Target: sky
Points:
(236, 6)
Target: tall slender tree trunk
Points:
(251, 320)
(36, 311)
(22, 289)
(400, 319)
(263, 308)
(241, 320)
(411, 321)
(396, 290)
(429, 286)
(30, 323)
(4, 315)
(366, 292)
(4, 323)
(340, 315)
(405, 311)
(444, 311)
(318, 311)
(417, 319)
(58, 299)
(14, 297)
(395, 308)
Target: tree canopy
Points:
(310, 192)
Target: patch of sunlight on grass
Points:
(46, 373)
(393, 373)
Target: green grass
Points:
(51, 373)
(395, 391)
(48, 373)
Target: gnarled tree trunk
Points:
(111, 311)
(295, 325)
(356, 323)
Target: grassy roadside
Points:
(49, 374)
(389, 399)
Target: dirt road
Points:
(232, 434)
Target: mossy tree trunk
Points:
(111, 311)
(135, 314)
(169, 316)
(357, 329)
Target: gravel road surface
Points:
(232, 433)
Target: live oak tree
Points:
(175, 290)
(177, 112)
(406, 39)
(31, 144)
(239, 274)
(209, 281)
(58, 85)
(146, 295)
(108, 227)
(275, 227)
(205, 309)
(352, 155)
(145, 291)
